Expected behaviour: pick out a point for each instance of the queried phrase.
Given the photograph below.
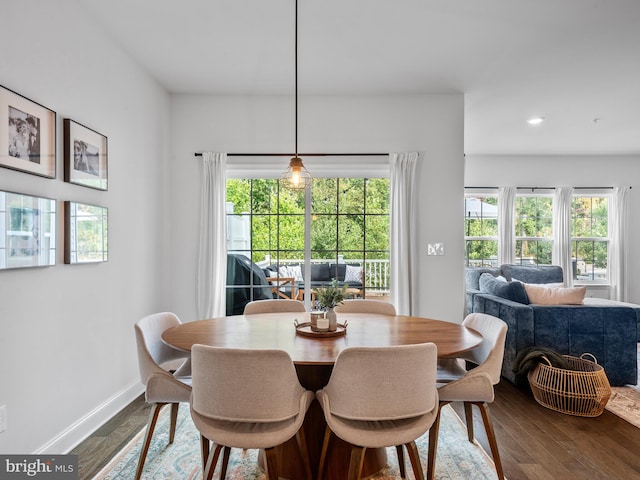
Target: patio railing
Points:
(377, 273)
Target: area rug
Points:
(625, 401)
(457, 458)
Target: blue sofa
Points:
(609, 332)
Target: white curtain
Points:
(561, 252)
(212, 257)
(403, 233)
(506, 227)
(618, 216)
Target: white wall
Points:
(432, 124)
(67, 347)
(567, 170)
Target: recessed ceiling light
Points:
(535, 120)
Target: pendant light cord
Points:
(296, 78)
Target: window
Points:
(590, 238)
(348, 221)
(481, 230)
(533, 224)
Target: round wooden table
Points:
(314, 359)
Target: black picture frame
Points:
(85, 156)
(27, 135)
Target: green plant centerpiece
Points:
(328, 298)
(332, 295)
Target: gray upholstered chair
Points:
(273, 306)
(164, 371)
(380, 396)
(366, 306)
(475, 386)
(247, 398)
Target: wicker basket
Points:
(583, 391)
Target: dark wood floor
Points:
(535, 443)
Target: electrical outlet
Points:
(3, 418)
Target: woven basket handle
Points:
(594, 359)
(543, 357)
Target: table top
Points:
(277, 330)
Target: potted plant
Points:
(328, 298)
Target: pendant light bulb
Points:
(297, 177)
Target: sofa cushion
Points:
(513, 291)
(533, 273)
(320, 272)
(543, 295)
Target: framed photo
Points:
(85, 156)
(27, 231)
(85, 233)
(27, 135)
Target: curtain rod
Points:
(199, 154)
(550, 188)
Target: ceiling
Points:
(574, 62)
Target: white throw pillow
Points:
(273, 274)
(353, 274)
(296, 272)
(283, 271)
(542, 295)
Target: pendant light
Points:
(297, 177)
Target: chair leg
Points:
(271, 464)
(225, 462)
(204, 451)
(174, 421)
(323, 453)
(301, 440)
(356, 462)
(468, 416)
(433, 444)
(212, 459)
(414, 457)
(151, 425)
(491, 436)
(401, 465)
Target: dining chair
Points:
(247, 398)
(164, 371)
(378, 397)
(472, 387)
(273, 306)
(366, 306)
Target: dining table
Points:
(314, 354)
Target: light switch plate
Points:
(435, 248)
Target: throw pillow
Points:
(555, 296)
(353, 274)
(272, 274)
(283, 271)
(513, 291)
(296, 272)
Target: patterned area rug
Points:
(457, 458)
(625, 401)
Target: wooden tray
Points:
(306, 330)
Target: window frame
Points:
(595, 193)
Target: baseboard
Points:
(85, 426)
